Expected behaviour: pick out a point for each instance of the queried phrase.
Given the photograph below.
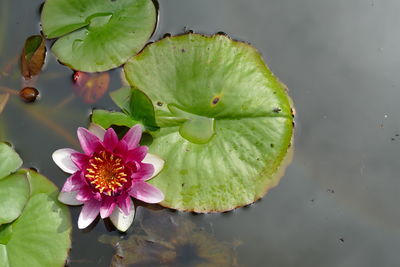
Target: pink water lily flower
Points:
(108, 174)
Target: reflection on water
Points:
(166, 240)
(340, 60)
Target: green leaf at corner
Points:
(40, 237)
(9, 160)
(98, 35)
(14, 193)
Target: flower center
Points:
(106, 173)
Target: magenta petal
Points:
(89, 142)
(121, 149)
(110, 139)
(88, 213)
(146, 192)
(145, 172)
(107, 207)
(137, 154)
(124, 203)
(80, 159)
(73, 183)
(85, 194)
(132, 137)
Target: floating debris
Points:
(29, 94)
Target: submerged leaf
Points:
(91, 86)
(3, 101)
(170, 241)
(226, 121)
(33, 55)
(98, 35)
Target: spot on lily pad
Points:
(223, 142)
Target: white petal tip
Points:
(121, 221)
(62, 157)
(156, 161)
(97, 130)
(69, 198)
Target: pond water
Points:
(337, 204)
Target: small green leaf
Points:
(14, 193)
(141, 109)
(106, 118)
(9, 160)
(121, 98)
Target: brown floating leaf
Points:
(3, 101)
(169, 241)
(91, 86)
(33, 55)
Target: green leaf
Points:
(98, 35)
(40, 237)
(137, 105)
(122, 98)
(9, 160)
(141, 109)
(226, 121)
(106, 119)
(14, 193)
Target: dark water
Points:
(337, 205)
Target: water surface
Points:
(337, 205)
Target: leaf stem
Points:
(9, 90)
(64, 102)
(44, 120)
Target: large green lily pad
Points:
(40, 237)
(98, 35)
(226, 121)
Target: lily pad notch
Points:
(95, 36)
(226, 122)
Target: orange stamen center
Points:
(106, 173)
